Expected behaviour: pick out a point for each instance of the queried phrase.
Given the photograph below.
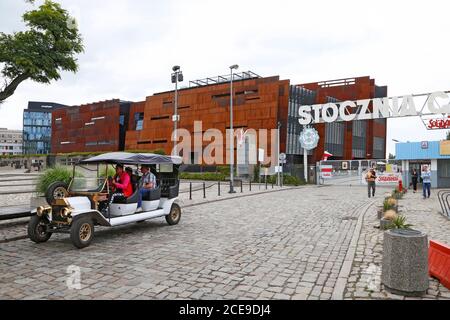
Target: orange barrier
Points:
(439, 262)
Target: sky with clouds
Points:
(131, 46)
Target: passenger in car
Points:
(133, 178)
(121, 184)
(147, 183)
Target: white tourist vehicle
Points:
(75, 209)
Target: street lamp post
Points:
(177, 76)
(233, 67)
(278, 153)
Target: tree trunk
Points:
(12, 86)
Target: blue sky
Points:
(132, 45)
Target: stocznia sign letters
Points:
(436, 103)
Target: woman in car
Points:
(121, 184)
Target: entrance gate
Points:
(352, 172)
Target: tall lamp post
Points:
(232, 68)
(278, 155)
(177, 76)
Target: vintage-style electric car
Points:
(86, 202)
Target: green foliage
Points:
(400, 223)
(203, 176)
(256, 171)
(45, 49)
(107, 171)
(396, 194)
(225, 170)
(288, 180)
(389, 204)
(52, 175)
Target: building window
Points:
(161, 118)
(139, 121)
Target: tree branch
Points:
(12, 86)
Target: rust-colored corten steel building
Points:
(350, 140)
(92, 127)
(259, 103)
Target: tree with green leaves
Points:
(448, 135)
(48, 47)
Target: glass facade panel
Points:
(359, 139)
(37, 132)
(378, 148)
(297, 96)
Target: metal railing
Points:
(222, 187)
(443, 196)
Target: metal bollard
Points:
(242, 187)
(218, 189)
(190, 190)
(272, 185)
(250, 185)
(204, 190)
(266, 184)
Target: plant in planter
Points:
(388, 218)
(399, 222)
(388, 204)
(396, 194)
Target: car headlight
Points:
(65, 212)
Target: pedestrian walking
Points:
(371, 177)
(414, 179)
(426, 181)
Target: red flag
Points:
(326, 155)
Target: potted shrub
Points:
(388, 219)
(388, 204)
(405, 259)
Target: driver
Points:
(121, 184)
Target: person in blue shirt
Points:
(147, 183)
(426, 181)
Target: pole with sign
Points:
(260, 159)
(309, 138)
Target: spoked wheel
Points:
(37, 229)
(82, 232)
(55, 191)
(174, 216)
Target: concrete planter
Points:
(405, 262)
(385, 223)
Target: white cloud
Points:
(132, 45)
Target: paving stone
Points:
(224, 246)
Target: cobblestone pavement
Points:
(292, 244)
(13, 229)
(365, 278)
(283, 245)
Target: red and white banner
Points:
(326, 171)
(384, 178)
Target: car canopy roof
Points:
(133, 158)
